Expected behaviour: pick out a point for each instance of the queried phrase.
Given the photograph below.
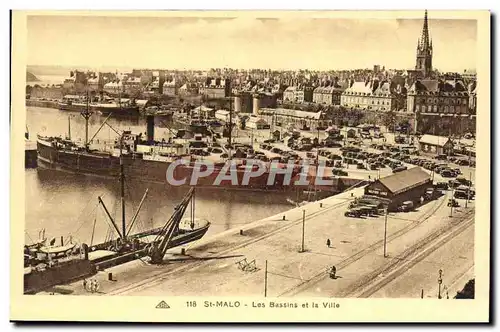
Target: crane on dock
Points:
(161, 243)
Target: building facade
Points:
(371, 95)
(327, 95)
(298, 94)
(215, 88)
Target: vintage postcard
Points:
(295, 166)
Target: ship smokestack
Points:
(150, 120)
(256, 104)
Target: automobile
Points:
(463, 162)
(457, 171)
(430, 194)
(338, 164)
(406, 206)
(269, 141)
(462, 194)
(399, 169)
(453, 184)
(378, 135)
(340, 172)
(360, 166)
(399, 140)
(442, 185)
(374, 167)
(441, 157)
(367, 210)
(464, 181)
(354, 213)
(452, 159)
(453, 202)
(447, 173)
(311, 155)
(335, 156)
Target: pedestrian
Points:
(96, 286)
(85, 284)
(333, 272)
(92, 282)
(328, 243)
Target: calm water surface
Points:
(67, 204)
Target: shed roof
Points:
(434, 140)
(405, 180)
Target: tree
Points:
(389, 119)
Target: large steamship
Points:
(147, 160)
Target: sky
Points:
(246, 42)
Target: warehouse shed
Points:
(408, 185)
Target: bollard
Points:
(110, 276)
(241, 232)
(283, 217)
(183, 251)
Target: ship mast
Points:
(122, 188)
(86, 115)
(230, 126)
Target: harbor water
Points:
(66, 204)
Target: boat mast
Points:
(122, 189)
(230, 126)
(86, 115)
(69, 127)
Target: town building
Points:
(408, 185)
(170, 87)
(132, 85)
(188, 89)
(298, 94)
(215, 88)
(298, 119)
(255, 122)
(328, 95)
(435, 144)
(371, 95)
(438, 97)
(113, 88)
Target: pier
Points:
(293, 246)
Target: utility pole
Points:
(452, 199)
(468, 189)
(303, 229)
(122, 187)
(385, 234)
(265, 281)
(440, 281)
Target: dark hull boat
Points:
(50, 265)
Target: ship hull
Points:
(106, 110)
(137, 168)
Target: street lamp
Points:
(440, 281)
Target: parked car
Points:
(447, 173)
(463, 162)
(360, 166)
(441, 157)
(430, 194)
(354, 213)
(442, 185)
(406, 206)
(399, 169)
(453, 202)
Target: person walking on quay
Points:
(328, 243)
(85, 284)
(92, 285)
(333, 272)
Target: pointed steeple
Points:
(424, 39)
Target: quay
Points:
(293, 246)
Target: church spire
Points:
(424, 39)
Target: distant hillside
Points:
(31, 78)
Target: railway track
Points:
(160, 277)
(360, 254)
(371, 283)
